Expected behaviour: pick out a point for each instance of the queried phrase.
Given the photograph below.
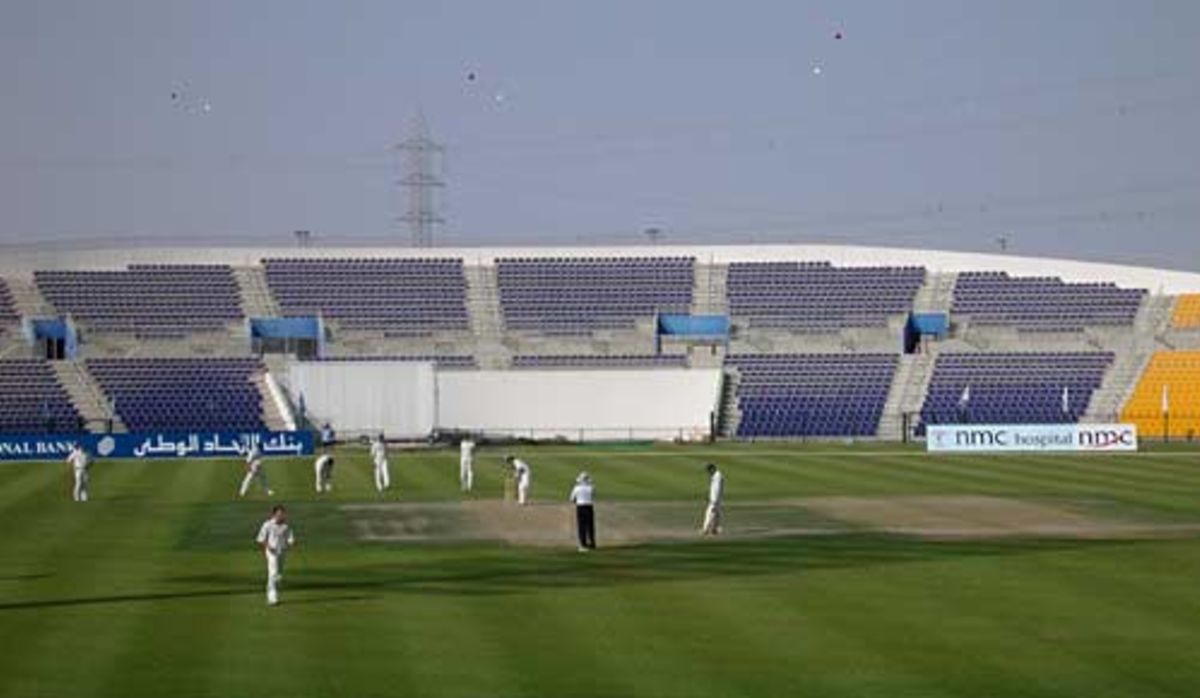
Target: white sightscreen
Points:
(586, 404)
(396, 397)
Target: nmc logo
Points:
(980, 437)
(1121, 437)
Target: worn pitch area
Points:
(631, 523)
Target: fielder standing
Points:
(80, 461)
(524, 477)
(583, 497)
(323, 471)
(255, 472)
(466, 465)
(713, 514)
(275, 536)
(383, 476)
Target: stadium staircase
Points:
(728, 415)
(1183, 330)
(87, 396)
(1155, 316)
(1132, 352)
(907, 393)
(1119, 383)
(274, 403)
(487, 325)
(710, 295)
(27, 299)
(936, 294)
(275, 387)
(257, 301)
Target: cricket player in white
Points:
(80, 461)
(275, 536)
(323, 470)
(254, 472)
(524, 477)
(466, 465)
(383, 476)
(716, 495)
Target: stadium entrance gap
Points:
(302, 337)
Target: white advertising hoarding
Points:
(581, 404)
(395, 397)
(979, 438)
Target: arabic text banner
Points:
(173, 444)
(1031, 437)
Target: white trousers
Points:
(324, 478)
(523, 491)
(274, 574)
(254, 473)
(80, 493)
(383, 476)
(466, 474)
(712, 519)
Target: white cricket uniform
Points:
(275, 538)
(713, 513)
(254, 472)
(583, 494)
(524, 477)
(383, 475)
(323, 470)
(466, 465)
(80, 462)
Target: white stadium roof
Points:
(22, 262)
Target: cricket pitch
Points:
(632, 523)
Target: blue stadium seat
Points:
(32, 400)
(182, 394)
(818, 395)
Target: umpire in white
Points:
(328, 437)
(583, 495)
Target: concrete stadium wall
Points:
(20, 262)
(587, 405)
(397, 397)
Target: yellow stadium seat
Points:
(1187, 311)
(1179, 373)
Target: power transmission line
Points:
(419, 180)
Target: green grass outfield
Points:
(154, 588)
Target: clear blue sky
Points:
(1070, 125)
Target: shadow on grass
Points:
(26, 577)
(170, 596)
(509, 571)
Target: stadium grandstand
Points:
(170, 299)
(807, 341)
